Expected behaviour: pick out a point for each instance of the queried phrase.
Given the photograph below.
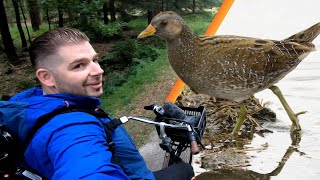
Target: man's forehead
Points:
(77, 51)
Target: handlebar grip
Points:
(193, 143)
(150, 107)
(194, 147)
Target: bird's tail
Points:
(307, 35)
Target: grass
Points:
(147, 72)
(139, 23)
(16, 36)
(126, 97)
(199, 22)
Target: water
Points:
(302, 91)
(274, 156)
(277, 155)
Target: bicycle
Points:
(179, 128)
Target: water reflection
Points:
(238, 173)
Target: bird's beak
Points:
(149, 31)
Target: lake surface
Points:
(274, 156)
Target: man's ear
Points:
(46, 77)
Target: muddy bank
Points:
(227, 156)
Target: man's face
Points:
(79, 72)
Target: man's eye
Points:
(96, 60)
(79, 66)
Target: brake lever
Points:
(193, 140)
(166, 140)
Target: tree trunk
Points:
(193, 5)
(25, 22)
(162, 5)
(105, 13)
(18, 21)
(60, 21)
(167, 7)
(6, 36)
(60, 13)
(154, 9)
(48, 18)
(149, 16)
(112, 10)
(157, 8)
(34, 12)
(1, 48)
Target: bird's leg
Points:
(293, 117)
(242, 116)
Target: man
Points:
(73, 145)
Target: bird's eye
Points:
(163, 23)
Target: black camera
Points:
(196, 117)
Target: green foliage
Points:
(116, 79)
(146, 72)
(3, 59)
(121, 55)
(5, 66)
(138, 23)
(121, 63)
(186, 6)
(127, 52)
(24, 84)
(199, 22)
(98, 31)
(147, 51)
(88, 19)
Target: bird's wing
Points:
(258, 54)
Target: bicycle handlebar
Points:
(176, 124)
(158, 123)
(191, 134)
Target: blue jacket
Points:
(73, 145)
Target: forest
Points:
(111, 25)
(101, 19)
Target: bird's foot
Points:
(295, 121)
(293, 117)
(299, 113)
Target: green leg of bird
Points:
(293, 117)
(242, 116)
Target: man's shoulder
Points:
(35, 91)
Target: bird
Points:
(228, 66)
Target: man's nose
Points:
(96, 69)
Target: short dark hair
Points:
(46, 45)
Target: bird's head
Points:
(167, 25)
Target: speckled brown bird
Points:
(231, 67)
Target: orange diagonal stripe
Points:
(212, 29)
